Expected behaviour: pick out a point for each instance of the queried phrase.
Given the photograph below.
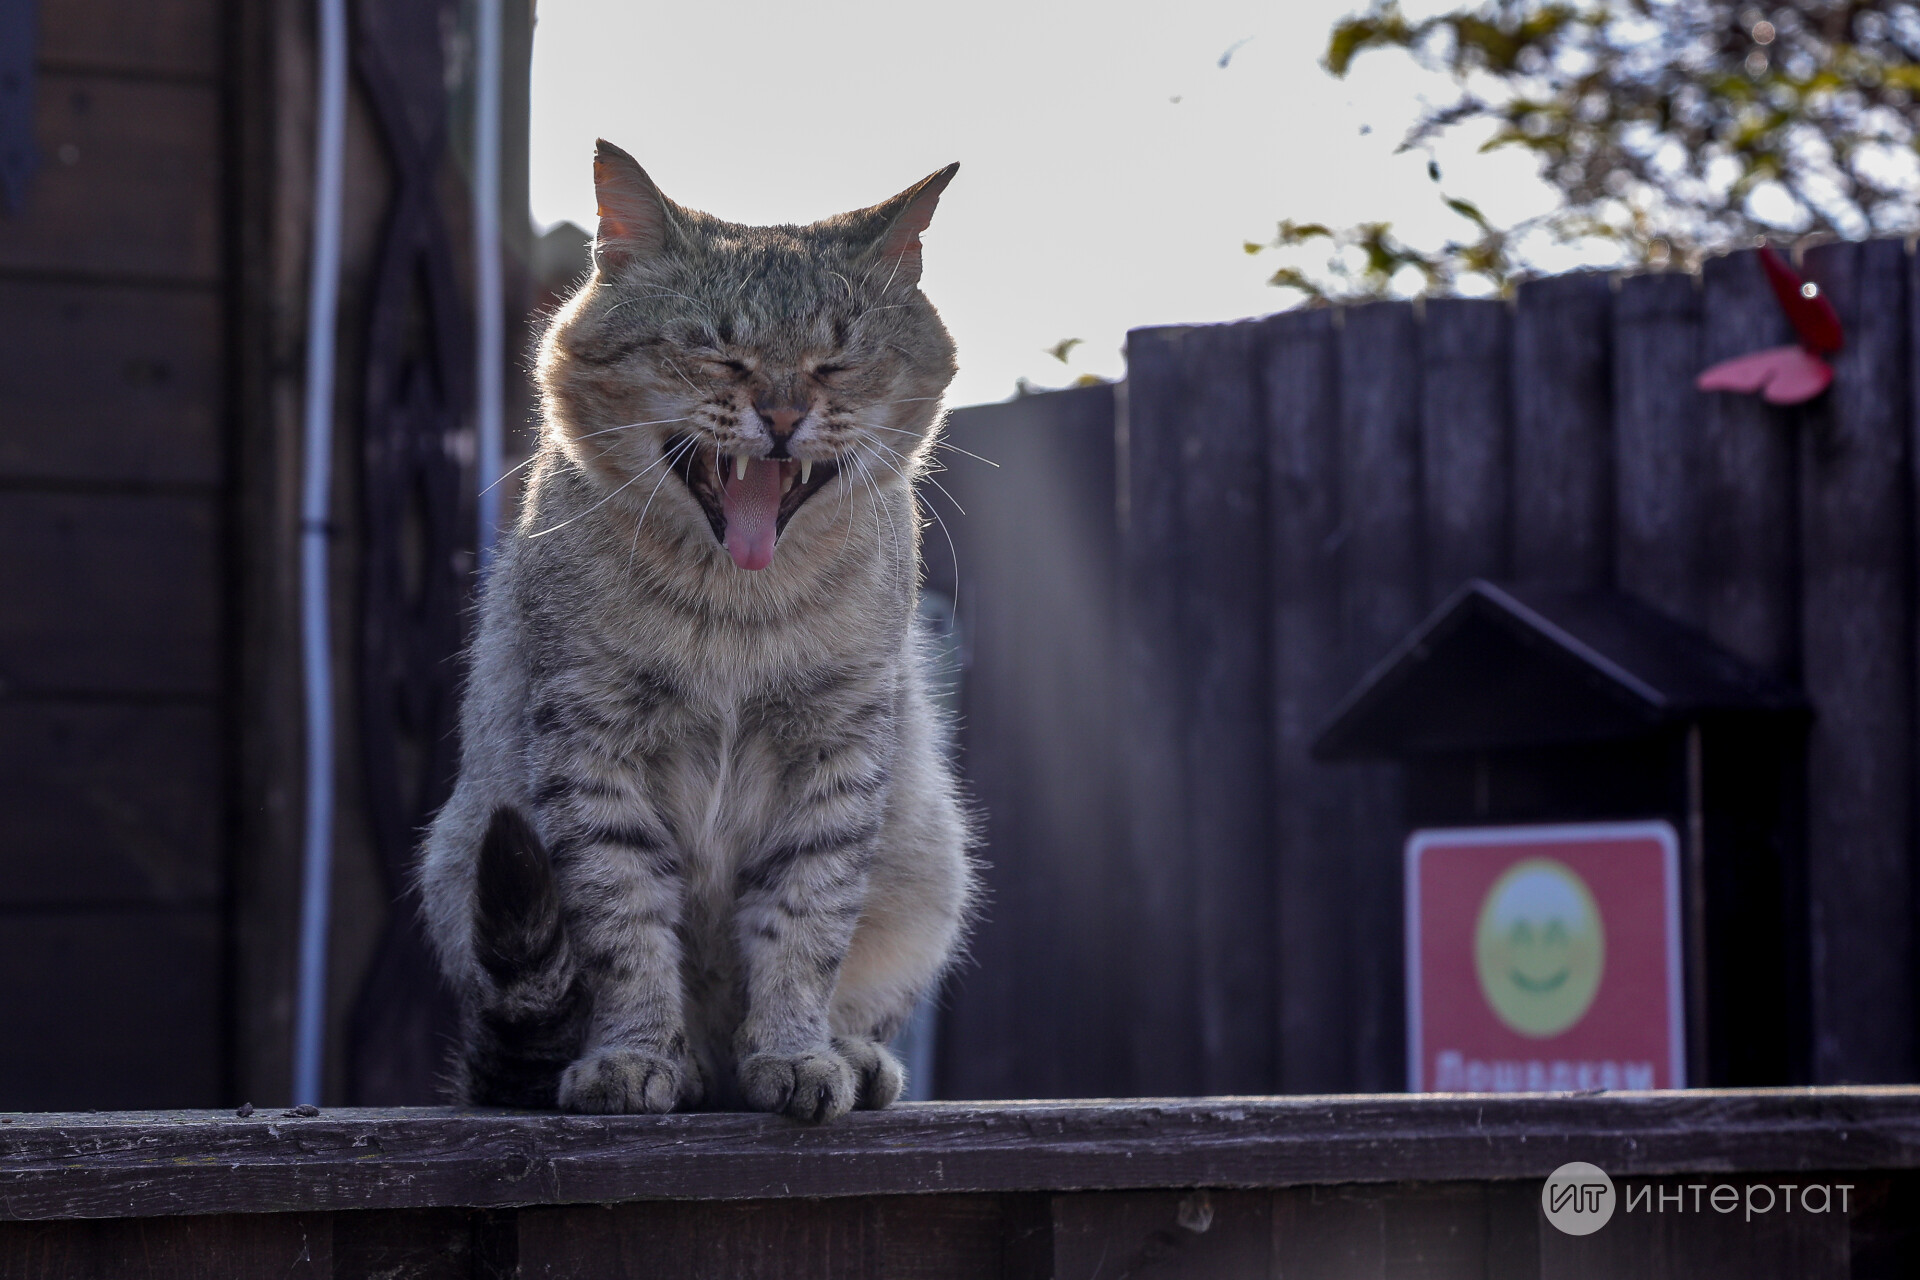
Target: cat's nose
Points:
(781, 421)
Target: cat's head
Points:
(761, 382)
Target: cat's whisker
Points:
(941, 520)
(668, 361)
(937, 443)
(628, 426)
(528, 461)
(641, 522)
(925, 475)
(541, 533)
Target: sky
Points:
(1112, 167)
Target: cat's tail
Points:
(532, 1024)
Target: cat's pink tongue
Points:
(752, 507)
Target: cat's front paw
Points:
(878, 1074)
(626, 1082)
(809, 1087)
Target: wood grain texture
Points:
(1466, 442)
(1657, 427)
(123, 589)
(1162, 1235)
(104, 383)
(212, 1162)
(1562, 429)
(129, 183)
(111, 1008)
(110, 803)
(1034, 1012)
(1227, 750)
(1300, 368)
(1164, 1049)
(1857, 628)
(212, 1247)
(1749, 500)
(143, 38)
(1383, 584)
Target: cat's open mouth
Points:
(748, 501)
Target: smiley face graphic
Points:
(1539, 947)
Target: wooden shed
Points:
(153, 277)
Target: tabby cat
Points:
(705, 849)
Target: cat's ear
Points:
(903, 218)
(634, 222)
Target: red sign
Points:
(1544, 958)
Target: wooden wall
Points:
(115, 650)
(152, 337)
(1295, 494)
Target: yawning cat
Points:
(705, 848)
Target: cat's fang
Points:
(739, 466)
(806, 470)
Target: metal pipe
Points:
(323, 302)
(490, 326)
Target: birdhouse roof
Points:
(1504, 666)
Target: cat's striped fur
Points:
(705, 848)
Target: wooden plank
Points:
(102, 802)
(1383, 584)
(1228, 747)
(1312, 802)
(115, 1165)
(1658, 418)
(212, 1247)
(1035, 1013)
(934, 1237)
(1330, 1233)
(129, 183)
(1748, 502)
(151, 37)
(1857, 628)
(125, 592)
(1466, 441)
(1164, 1034)
(1562, 429)
(113, 384)
(111, 1008)
(1166, 1235)
(414, 1244)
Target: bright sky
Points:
(1111, 168)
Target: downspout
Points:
(323, 300)
(490, 329)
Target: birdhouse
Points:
(1575, 759)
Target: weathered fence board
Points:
(1466, 442)
(1562, 430)
(1657, 419)
(133, 1164)
(1857, 632)
(115, 801)
(112, 384)
(1035, 1010)
(1438, 1186)
(1301, 375)
(157, 143)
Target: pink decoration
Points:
(1791, 374)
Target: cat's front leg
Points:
(798, 905)
(623, 890)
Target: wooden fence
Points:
(1437, 1187)
(1167, 586)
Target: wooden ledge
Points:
(147, 1164)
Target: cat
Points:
(705, 849)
